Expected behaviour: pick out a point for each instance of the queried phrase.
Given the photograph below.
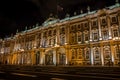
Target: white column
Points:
(109, 27)
(56, 40)
(58, 35)
(99, 27)
(24, 43)
(42, 40)
(102, 56)
(58, 58)
(35, 41)
(67, 56)
(92, 56)
(67, 34)
(42, 58)
(90, 30)
(54, 58)
(112, 53)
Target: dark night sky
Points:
(16, 14)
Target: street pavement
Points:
(47, 74)
(28, 75)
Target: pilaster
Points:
(67, 34)
(99, 27)
(112, 51)
(67, 55)
(92, 56)
(89, 21)
(58, 35)
(102, 56)
(109, 27)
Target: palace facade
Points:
(91, 38)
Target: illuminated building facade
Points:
(91, 38)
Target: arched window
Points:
(117, 51)
(115, 33)
(107, 53)
(96, 53)
(87, 53)
(73, 53)
(105, 34)
(79, 53)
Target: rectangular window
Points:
(113, 19)
(79, 38)
(62, 30)
(86, 24)
(94, 23)
(73, 38)
(62, 40)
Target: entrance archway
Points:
(37, 57)
(61, 56)
(49, 57)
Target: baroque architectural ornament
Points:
(91, 38)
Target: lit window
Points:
(79, 37)
(117, 52)
(105, 34)
(95, 36)
(107, 53)
(97, 54)
(86, 37)
(62, 40)
(87, 54)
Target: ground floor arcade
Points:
(87, 54)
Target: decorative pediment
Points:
(102, 12)
(50, 20)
